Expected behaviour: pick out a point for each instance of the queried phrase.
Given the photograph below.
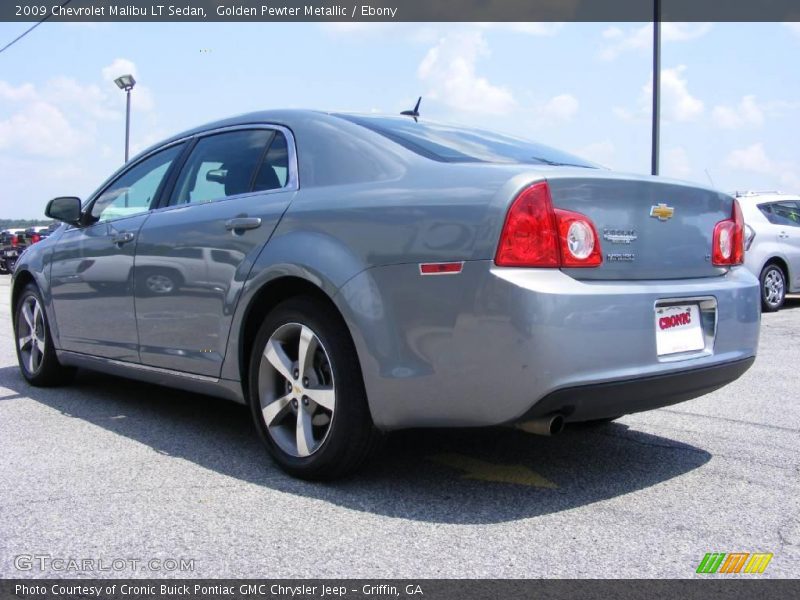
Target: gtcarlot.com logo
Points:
(736, 562)
(47, 562)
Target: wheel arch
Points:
(780, 262)
(263, 301)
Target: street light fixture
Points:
(126, 83)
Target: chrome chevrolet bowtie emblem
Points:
(662, 212)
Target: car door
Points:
(786, 218)
(195, 252)
(92, 269)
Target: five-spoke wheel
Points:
(35, 353)
(296, 389)
(30, 334)
(307, 393)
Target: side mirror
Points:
(65, 208)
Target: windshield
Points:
(448, 143)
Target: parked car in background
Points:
(772, 243)
(12, 243)
(346, 275)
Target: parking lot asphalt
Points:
(110, 469)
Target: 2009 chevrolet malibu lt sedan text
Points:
(347, 275)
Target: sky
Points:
(730, 91)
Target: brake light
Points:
(14, 240)
(728, 241)
(537, 235)
(35, 237)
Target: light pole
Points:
(126, 83)
(656, 85)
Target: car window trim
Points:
(292, 179)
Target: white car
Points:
(772, 243)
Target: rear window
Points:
(447, 143)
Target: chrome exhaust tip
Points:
(548, 425)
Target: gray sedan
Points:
(350, 275)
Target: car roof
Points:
(761, 197)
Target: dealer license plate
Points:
(10, 253)
(678, 329)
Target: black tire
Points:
(46, 371)
(350, 435)
(773, 288)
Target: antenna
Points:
(709, 178)
(413, 113)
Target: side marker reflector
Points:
(451, 268)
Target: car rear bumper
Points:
(615, 398)
(493, 345)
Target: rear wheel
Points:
(35, 352)
(307, 394)
(773, 288)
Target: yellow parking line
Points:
(486, 471)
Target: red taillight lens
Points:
(35, 238)
(580, 246)
(14, 240)
(529, 236)
(537, 235)
(728, 241)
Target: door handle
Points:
(242, 223)
(122, 238)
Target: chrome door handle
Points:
(122, 238)
(242, 223)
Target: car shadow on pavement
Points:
(456, 476)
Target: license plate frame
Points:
(679, 329)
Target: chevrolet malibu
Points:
(348, 275)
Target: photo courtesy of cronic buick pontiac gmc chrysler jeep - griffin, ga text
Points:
(350, 275)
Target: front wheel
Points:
(35, 352)
(307, 393)
(773, 288)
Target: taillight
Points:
(14, 240)
(579, 244)
(35, 237)
(537, 235)
(728, 241)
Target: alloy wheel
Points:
(773, 287)
(296, 390)
(31, 334)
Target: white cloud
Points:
(754, 159)
(63, 115)
(449, 70)
(602, 153)
(677, 103)
(746, 113)
(676, 163)
(40, 128)
(641, 38)
(560, 108)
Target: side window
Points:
(132, 193)
(786, 213)
(219, 166)
(274, 171)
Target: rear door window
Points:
(782, 213)
(221, 165)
